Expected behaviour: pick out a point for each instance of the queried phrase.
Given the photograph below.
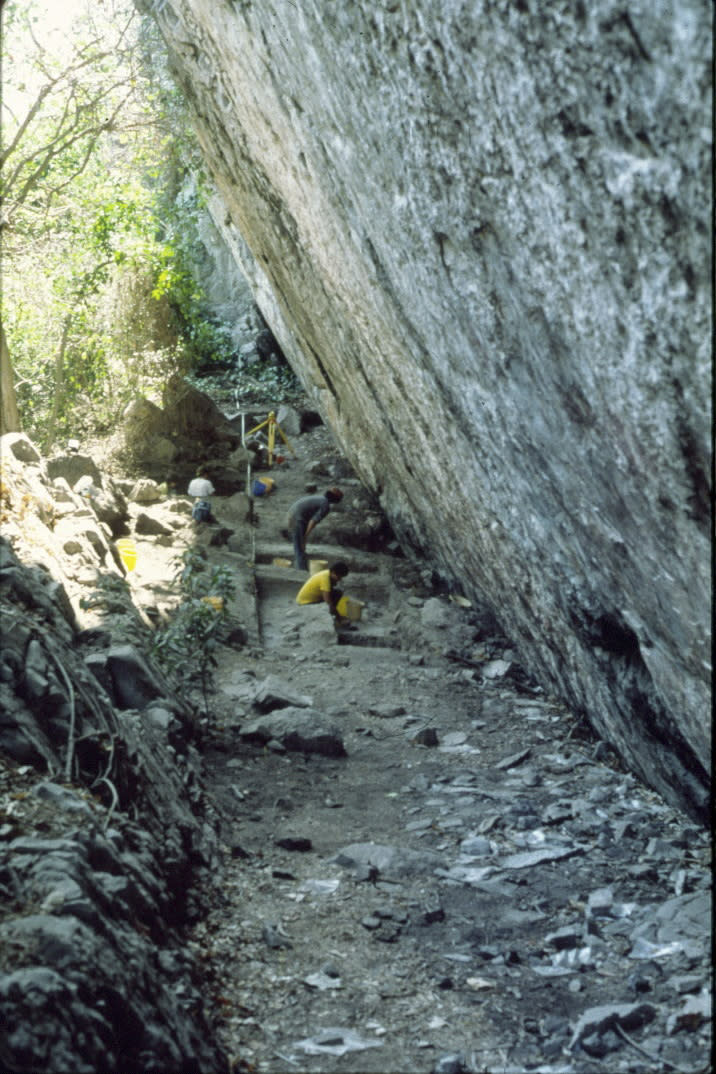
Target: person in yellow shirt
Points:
(322, 586)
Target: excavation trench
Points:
(427, 896)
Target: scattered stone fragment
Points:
(695, 1011)
(432, 911)
(491, 821)
(428, 736)
(294, 842)
(557, 812)
(686, 983)
(371, 922)
(419, 825)
(388, 711)
(273, 937)
(537, 857)
(476, 845)
(514, 759)
(454, 1063)
(336, 1041)
(599, 1045)
(599, 903)
(323, 982)
(272, 694)
(454, 738)
(685, 916)
(564, 938)
(600, 1019)
(389, 861)
(496, 669)
(62, 797)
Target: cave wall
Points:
(480, 233)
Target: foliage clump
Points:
(102, 192)
(185, 647)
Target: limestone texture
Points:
(480, 234)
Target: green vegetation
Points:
(111, 595)
(102, 192)
(185, 647)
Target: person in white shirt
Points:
(201, 488)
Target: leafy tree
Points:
(99, 301)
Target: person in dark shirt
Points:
(303, 518)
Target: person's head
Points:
(202, 471)
(339, 569)
(334, 495)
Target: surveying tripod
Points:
(273, 426)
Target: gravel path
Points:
(476, 884)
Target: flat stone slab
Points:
(388, 860)
(301, 730)
(273, 693)
(600, 1019)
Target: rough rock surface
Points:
(162, 442)
(104, 831)
(480, 234)
(495, 895)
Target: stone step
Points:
(358, 561)
(369, 639)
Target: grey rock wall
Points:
(106, 836)
(225, 286)
(480, 234)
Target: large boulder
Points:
(72, 467)
(195, 418)
(167, 443)
(497, 294)
(20, 447)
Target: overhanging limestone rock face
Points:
(480, 234)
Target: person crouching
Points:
(321, 586)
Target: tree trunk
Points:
(9, 417)
(58, 397)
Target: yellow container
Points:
(217, 603)
(350, 608)
(316, 565)
(127, 553)
(279, 561)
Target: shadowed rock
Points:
(297, 729)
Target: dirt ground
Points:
(389, 910)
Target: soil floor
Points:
(395, 909)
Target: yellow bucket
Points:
(127, 553)
(316, 565)
(350, 608)
(217, 603)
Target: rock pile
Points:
(103, 825)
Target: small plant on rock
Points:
(110, 595)
(185, 648)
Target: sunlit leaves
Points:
(100, 298)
